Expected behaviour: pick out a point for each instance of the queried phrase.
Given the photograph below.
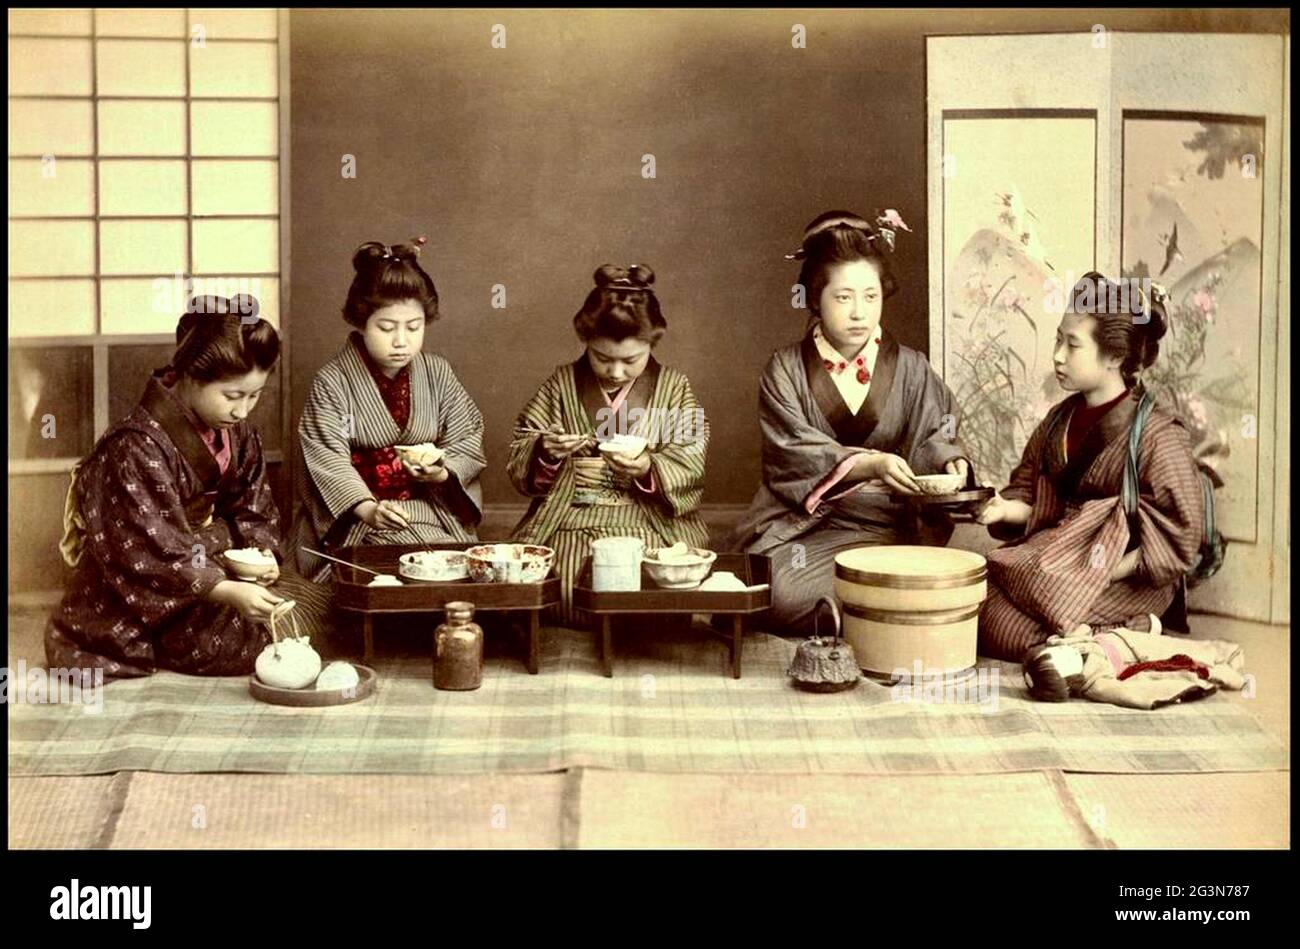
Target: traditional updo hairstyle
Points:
(621, 305)
(221, 338)
(1044, 682)
(387, 275)
(839, 237)
(1128, 323)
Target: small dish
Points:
(678, 567)
(940, 483)
(248, 563)
(630, 445)
(509, 563)
(425, 455)
(434, 565)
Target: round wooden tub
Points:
(906, 605)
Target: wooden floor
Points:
(596, 809)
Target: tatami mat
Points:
(60, 813)
(1165, 811)
(214, 811)
(621, 809)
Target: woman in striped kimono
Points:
(615, 388)
(165, 492)
(378, 392)
(846, 405)
(1075, 557)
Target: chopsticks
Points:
(345, 563)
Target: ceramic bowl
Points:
(940, 483)
(509, 563)
(434, 565)
(630, 445)
(423, 455)
(679, 573)
(248, 563)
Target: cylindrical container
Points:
(911, 611)
(616, 564)
(458, 650)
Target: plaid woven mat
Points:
(669, 707)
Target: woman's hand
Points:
(628, 466)
(429, 474)
(958, 466)
(273, 572)
(894, 471)
(992, 511)
(383, 515)
(557, 446)
(247, 599)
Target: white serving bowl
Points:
(678, 573)
(630, 445)
(425, 455)
(940, 483)
(434, 565)
(248, 563)
(509, 563)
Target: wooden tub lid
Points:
(910, 566)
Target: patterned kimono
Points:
(803, 515)
(153, 511)
(345, 456)
(661, 509)
(1057, 575)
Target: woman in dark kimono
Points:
(844, 406)
(382, 390)
(1076, 558)
(162, 495)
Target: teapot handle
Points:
(835, 615)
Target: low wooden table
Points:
(751, 568)
(353, 593)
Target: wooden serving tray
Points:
(956, 499)
(315, 698)
(352, 592)
(750, 568)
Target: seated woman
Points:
(844, 405)
(616, 387)
(1075, 557)
(381, 390)
(163, 494)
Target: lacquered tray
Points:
(956, 499)
(315, 698)
(352, 592)
(750, 568)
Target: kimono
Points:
(1057, 574)
(803, 514)
(1134, 669)
(149, 513)
(345, 456)
(660, 509)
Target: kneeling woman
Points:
(380, 391)
(164, 493)
(844, 405)
(1075, 557)
(616, 387)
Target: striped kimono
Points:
(149, 513)
(345, 413)
(659, 406)
(805, 512)
(1057, 575)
